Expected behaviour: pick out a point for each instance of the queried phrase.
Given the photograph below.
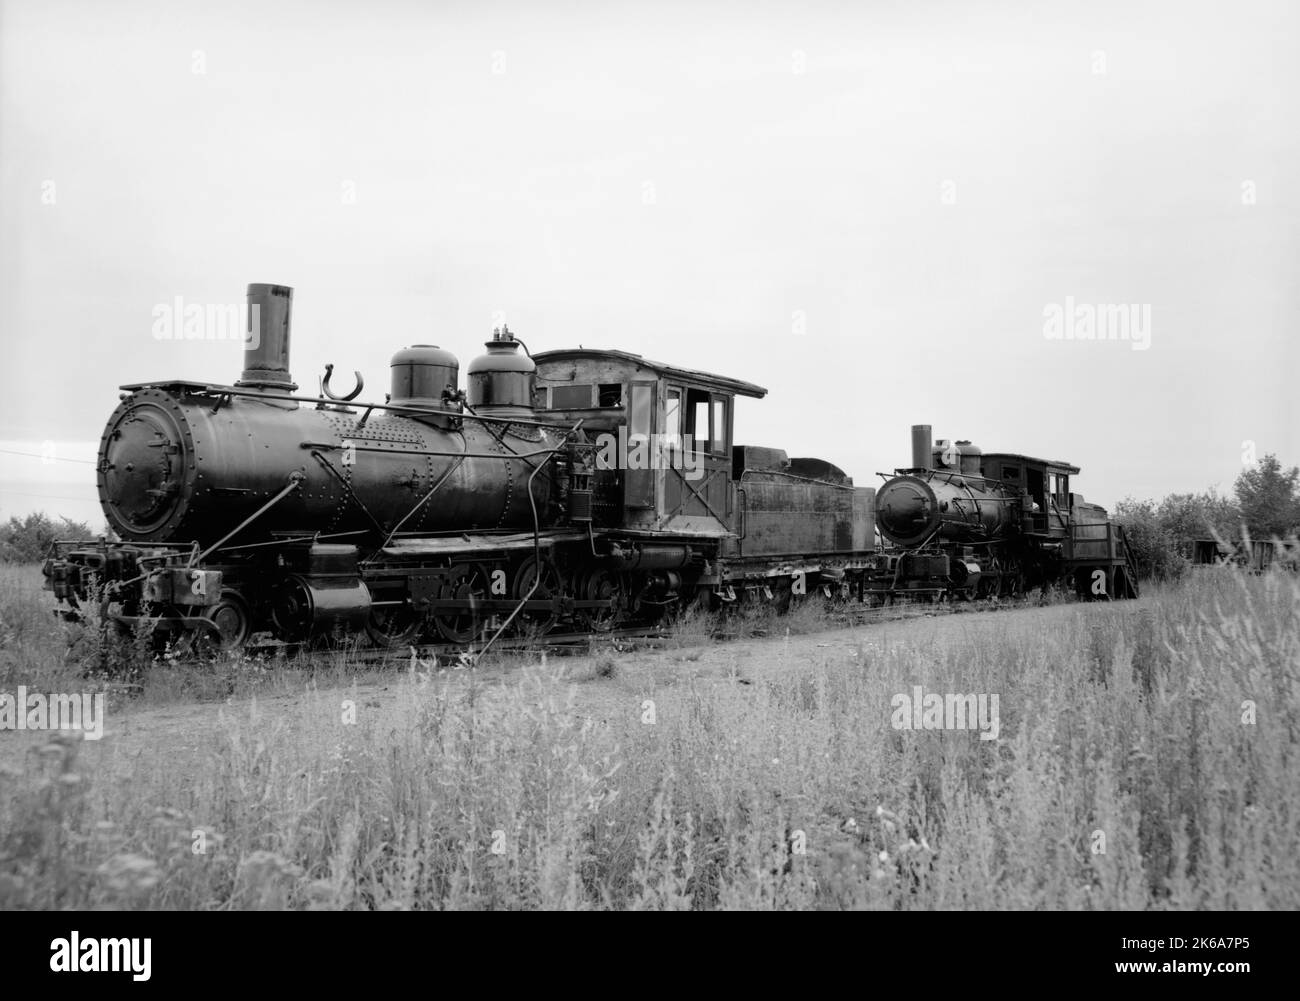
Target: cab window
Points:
(1060, 486)
(673, 419)
(697, 420)
(571, 397)
(610, 394)
(718, 434)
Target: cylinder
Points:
(650, 557)
(266, 345)
(304, 606)
(921, 446)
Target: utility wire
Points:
(24, 493)
(44, 458)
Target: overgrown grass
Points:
(1147, 759)
(33, 645)
(45, 654)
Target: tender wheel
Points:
(393, 626)
(465, 582)
(550, 587)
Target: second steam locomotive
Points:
(584, 489)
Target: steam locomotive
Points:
(972, 524)
(583, 488)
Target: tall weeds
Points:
(1147, 758)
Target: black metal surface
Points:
(172, 468)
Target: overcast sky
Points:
(873, 209)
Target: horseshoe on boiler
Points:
(325, 385)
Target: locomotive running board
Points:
(478, 543)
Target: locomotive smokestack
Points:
(921, 446)
(266, 347)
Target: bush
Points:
(1156, 549)
(28, 540)
(1188, 517)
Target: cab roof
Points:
(1053, 465)
(720, 383)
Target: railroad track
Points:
(635, 637)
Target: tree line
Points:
(1265, 505)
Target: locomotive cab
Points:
(1044, 485)
(662, 436)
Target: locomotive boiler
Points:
(177, 462)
